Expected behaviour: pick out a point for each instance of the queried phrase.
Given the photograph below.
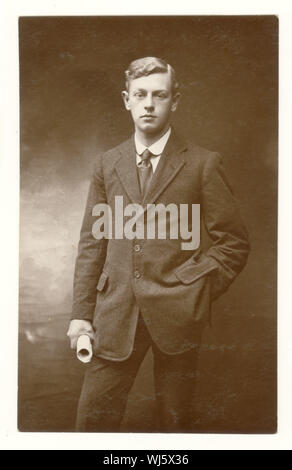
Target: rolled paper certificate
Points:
(84, 348)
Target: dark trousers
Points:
(107, 384)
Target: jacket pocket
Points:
(102, 281)
(191, 271)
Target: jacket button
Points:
(137, 248)
(137, 275)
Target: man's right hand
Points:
(78, 328)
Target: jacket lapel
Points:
(170, 163)
(127, 171)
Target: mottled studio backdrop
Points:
(71, 77)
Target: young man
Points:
(139, 284)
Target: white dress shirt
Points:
(156, 148)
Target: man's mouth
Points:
(148, 116)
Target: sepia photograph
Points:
(148, 224)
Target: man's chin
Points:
(150, 128)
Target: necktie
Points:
(145, 171)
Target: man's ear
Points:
(175, 101)
(125, 96)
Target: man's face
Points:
(150, 101)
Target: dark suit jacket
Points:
(172, 288)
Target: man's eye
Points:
(162, 95)
(139, 95)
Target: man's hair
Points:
(147, 66)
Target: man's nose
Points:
(148, 103)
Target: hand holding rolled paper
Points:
(78, 328)
(84, 348)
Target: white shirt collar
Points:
(156, 148)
